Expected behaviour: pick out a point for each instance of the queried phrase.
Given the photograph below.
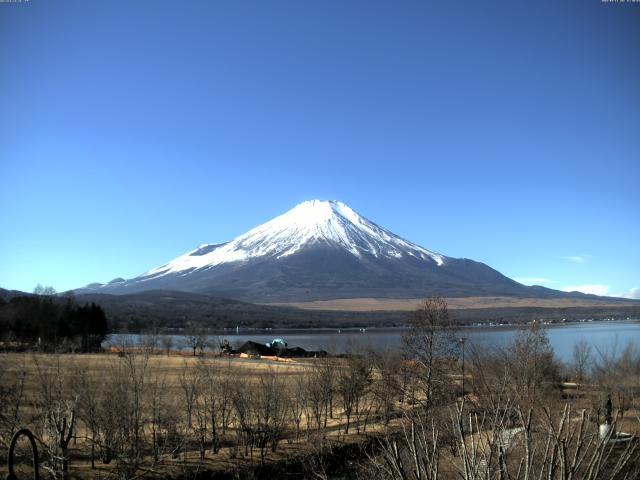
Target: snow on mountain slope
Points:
(329, 222)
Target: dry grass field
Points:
(410, 304)
(177, 388)
(145, 414)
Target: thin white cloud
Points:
(533, 280)
(592, 288)
(631, 293)
(576, 258)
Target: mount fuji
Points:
(321, 250)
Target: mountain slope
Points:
(321, 250)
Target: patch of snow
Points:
(314, 221)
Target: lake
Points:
(602, 335)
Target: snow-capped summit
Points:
(312, 222)
(318, 250)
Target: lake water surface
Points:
(602, 335)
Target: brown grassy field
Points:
(42, 371)
(157, 388)
(410, 304)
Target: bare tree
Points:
(492, 377)
(189, 384)
(166, 341)
(12, 399)
(123, 415)
(46, 291)
(196, 338)
(271, 411)
(298, 403)
(216, 382)
(581, 361)
(388, 383)
(112, 415)
(162, 415)
(535, 371)
(560, 447)
(319, 390)
(88, 408)
(149, 341)
(241, 398)
(57, 404)
(202, 409)
(225, 382)
(354, 378)
(617, 373)
(429, 342)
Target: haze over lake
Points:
(602, 335)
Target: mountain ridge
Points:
(321, 250)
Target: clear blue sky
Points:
(507, 132)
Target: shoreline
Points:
(243, 331)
